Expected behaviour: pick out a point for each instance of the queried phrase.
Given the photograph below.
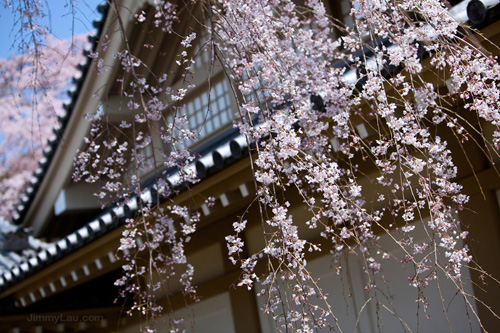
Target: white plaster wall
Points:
(347, 297)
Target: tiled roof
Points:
(17, 251)
(219, 156)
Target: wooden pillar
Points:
(243, 303)
(482, 220)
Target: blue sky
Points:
(61, 22)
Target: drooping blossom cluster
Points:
(119, 158)
(304, 114)
(32, 31)
(153, 250)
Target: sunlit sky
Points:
(60, 21)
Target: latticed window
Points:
(209, 112)
(203, 52)
(345, 10)
(209, 107)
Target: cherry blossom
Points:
(319, 102)
(33, 88)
